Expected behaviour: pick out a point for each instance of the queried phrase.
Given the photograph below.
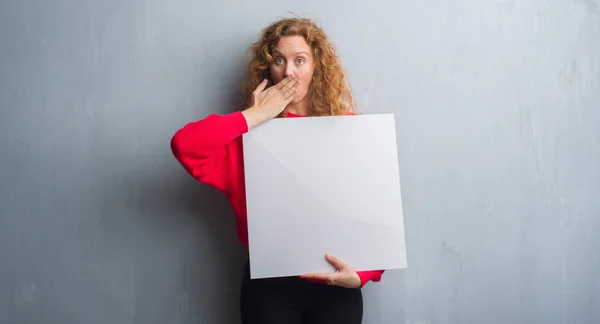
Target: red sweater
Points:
(210, 150)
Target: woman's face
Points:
(293, 56)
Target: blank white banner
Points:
(323, 185)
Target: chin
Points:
(297, 99)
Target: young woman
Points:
(294, 72)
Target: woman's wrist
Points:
(255, 117)
(251, 118)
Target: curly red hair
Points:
(329, 92)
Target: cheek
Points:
(306, 77)
(276, 73)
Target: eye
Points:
(278, 60)
(300, 61)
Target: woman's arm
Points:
(345, 275)
(208, 149)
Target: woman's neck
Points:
(300, 108)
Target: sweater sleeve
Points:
(370, 275)
(209, 149)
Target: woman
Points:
(294, 72)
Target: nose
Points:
(290, 69)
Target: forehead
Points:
(292, 45)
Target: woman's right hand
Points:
(267, 104)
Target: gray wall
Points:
(498, 114)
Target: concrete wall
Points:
(498, 114)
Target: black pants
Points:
(292, 300)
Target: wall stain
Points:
(27, 295)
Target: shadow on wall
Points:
(180, 235)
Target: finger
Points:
(282, 83)
(290, 92)
(285, 82)
(293, 82)
(261, 86)
(287, 99)
(337, 263)
(318, 276)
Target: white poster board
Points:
(323, 185)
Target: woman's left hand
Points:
(344, 276)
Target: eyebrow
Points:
(278, 52)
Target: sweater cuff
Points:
(238, 121)
(366, 276)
